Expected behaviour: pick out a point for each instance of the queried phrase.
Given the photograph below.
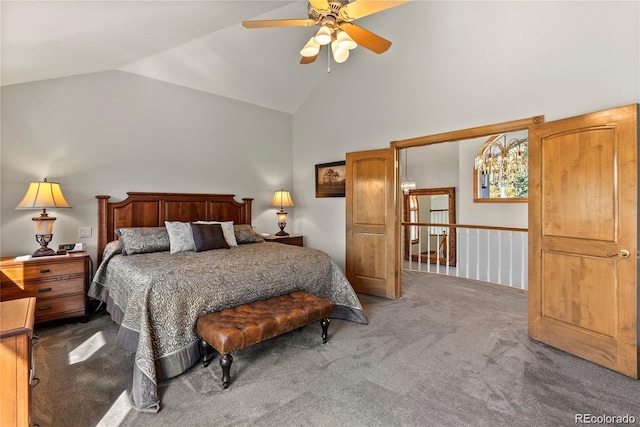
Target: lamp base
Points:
(43, 251)
(282, 225)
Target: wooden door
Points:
(372, 258)
(583, 237)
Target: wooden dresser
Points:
(16, 361)
(59, 283)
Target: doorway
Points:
(489, 236)
(583, 295)
(435, 244)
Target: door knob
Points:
(623, 253)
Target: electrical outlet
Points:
(254, 224)
(84, 232)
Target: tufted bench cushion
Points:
(236, 328)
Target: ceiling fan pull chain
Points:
(328, 61)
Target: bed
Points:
(155, 289)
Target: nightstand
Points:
(59, 283)
(291, 239)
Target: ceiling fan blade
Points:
(360, 8)
(279, 23)
(320, 5)
(366, 38)
(310, 59)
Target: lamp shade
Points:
(339, 54)
(43, 195)
(323, 36)
(310, 49)
(282, 198)
(345, 41)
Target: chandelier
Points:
(406, 183)
(503, 161)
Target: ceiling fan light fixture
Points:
(323, 36)
(333, 17)
(310, 49)
(345, 41)
(339, 54)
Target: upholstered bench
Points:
(236, 328)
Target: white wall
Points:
(452, 65)
(113, 132)
(455, 65)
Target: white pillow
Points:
(180, 237)
(227, 230)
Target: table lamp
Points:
(283, 199)
(44, 195)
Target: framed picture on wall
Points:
(330, 179)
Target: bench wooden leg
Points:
(225, 362)
(206, 350)
(325, 327)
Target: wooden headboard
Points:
(153, 209)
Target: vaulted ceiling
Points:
(197, 44)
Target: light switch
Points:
(84, 232)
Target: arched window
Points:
(501, 169)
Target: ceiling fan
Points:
(335, 19)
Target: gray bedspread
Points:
(157, 297)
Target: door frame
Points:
(469, 133)
(452, 136)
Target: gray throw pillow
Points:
(141, 240)
(245, 234)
